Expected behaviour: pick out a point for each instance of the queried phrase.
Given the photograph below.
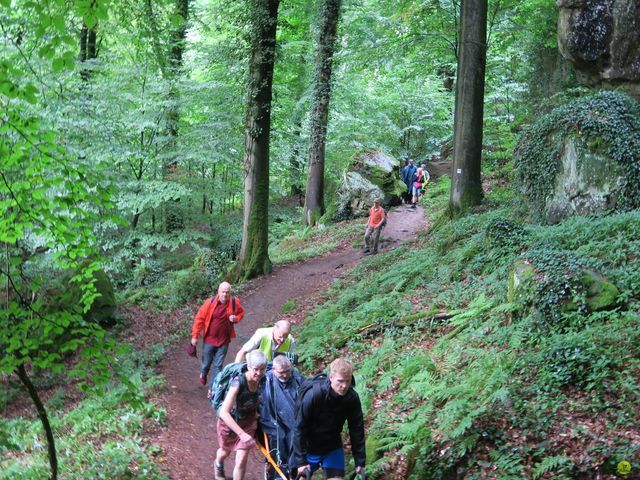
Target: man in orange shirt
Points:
(377, 219)
(214, 321)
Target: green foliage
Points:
(502, 233)
(104, 436)
(607, 121)
(450, 394)
(288, 306)
(50, 203)
(304, 241)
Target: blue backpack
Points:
(220, 385)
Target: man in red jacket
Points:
(214, 321)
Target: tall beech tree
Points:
(314, 200)
(254, 251)
(466, 185)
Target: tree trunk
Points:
(254, 252)
(466, 186)
(88, 49)
(42, 413)
(314, 201)
(296, 163)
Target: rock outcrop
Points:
(587, 182)
(601, 38)
(372, 174)
(582, 158)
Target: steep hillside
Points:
(494, 347)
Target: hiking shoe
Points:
(203, 379)
(219, 472)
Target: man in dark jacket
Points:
(408, 172)
(321, 412)
(278, 409)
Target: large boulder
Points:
(582, 158)
(601, 38)
(371, 174)
(587, 182)
(355, 196)
(525, 279)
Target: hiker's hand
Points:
(232, 318)
(359, 470)
(247, 439)
(194, 341)
(303, 469)
(209, 394)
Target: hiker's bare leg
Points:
(221, 456)
(241, 464)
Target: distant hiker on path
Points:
(214, 321)
(408, 172)
(269, 341)
(238, 417)
(323, 405)
(278, 410)
(420, 181)
(377, 218)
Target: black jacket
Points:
(277, 412)
(320, 419)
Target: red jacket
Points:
(203, 317)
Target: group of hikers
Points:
(416, 179)
(262, 399)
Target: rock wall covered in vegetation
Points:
(582, 158)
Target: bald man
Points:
(214, 321)
(269, 341)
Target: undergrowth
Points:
(104, 435)
(463, 378)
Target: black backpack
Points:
(313, 383)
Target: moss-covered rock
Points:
(596, 292)
(64, 295)
(521, 282)
(601, 293)
(582, 158)
(355, 196)
(371, 174)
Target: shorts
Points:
(332, 462)
(417, 191)
(227, 438)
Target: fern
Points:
(551, 464)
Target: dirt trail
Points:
(189, 441)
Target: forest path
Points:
(188, 442)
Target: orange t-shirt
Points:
(376, 215)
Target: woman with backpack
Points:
(238, 416)
(420, 181)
